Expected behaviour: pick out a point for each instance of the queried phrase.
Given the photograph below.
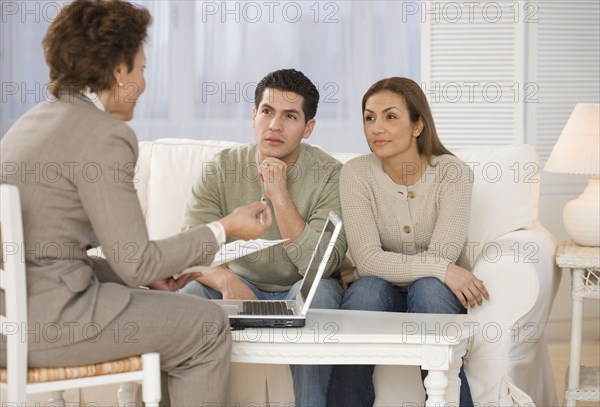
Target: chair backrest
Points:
(12, 280)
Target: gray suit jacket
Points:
(74, 167)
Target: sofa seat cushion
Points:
(175, 165)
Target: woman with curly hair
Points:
(75, 158)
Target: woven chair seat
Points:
(46, 374)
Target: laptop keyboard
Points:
(266, 308)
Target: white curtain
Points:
(204, 59)
(23, 72)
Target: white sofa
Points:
(508, 361)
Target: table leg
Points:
(453, 389)
(435, 387)
(575, 350)
(56, 398)
(126, 395)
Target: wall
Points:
(501, 72)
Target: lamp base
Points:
(581, 216)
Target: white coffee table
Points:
(436, 342)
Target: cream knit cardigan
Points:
(403, 233)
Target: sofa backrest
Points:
(505, 190)
(172, 166)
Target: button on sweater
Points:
(402, 233)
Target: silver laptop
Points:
(288, 313)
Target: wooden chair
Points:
(16, 381)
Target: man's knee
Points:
(200, 290)
(370, 294)
(328, 296)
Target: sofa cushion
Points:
(505, 193)
(142, 174)
(344, 157)
(175, 165)
(505, 189)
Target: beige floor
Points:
(559, 352)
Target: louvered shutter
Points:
(473, 71)
(565, 65)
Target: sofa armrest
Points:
(521, 277)
(519, 272)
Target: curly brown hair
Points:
(88, 39)
(428, 142)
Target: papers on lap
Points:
(234, 250)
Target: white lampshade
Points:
(577, 150)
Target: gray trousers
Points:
(191, 334)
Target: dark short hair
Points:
(428, 143)
(88, 39)
(291, 80)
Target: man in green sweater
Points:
(300, 184)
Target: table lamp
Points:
(577, 151)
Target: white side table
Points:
(583, 382)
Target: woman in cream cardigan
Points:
(406, 211)
(73, 160)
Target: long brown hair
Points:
(428, 143)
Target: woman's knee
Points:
(430, 295)
(205, 321)
(371, 294)
(214, 314)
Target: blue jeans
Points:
(353, 385)
(310, 381)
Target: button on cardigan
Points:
(403, 233)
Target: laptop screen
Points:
(315, 261)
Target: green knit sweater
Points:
(231, 180)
